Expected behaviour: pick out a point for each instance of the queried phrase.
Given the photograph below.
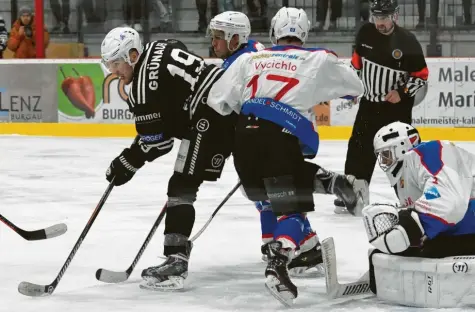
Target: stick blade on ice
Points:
(33, 290)
(107, 276)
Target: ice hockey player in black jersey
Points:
(392, 67)
(168, 92)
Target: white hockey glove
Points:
(392, 230)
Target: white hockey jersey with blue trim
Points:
(299, 77)
(438, 182)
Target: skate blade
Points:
(340, 210)
(174, 283)
(317, 270)
(284, 297)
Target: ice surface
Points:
(44, 181)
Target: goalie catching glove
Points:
(391, 230)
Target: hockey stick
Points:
(107, 276)
(334, 288)
(49, 232)
(35, 290)
(216, 211)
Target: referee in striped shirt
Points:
(392, 67)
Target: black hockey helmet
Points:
(384, 7)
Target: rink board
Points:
(128, 130)
(50, 107)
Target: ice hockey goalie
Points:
(424, 254)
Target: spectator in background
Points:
(258, 14)
(225, 5)
(165, 10)
(421, 7)
(22, 37)
(467, 14)
(92, 12)
(364, 10)
(202, 6)
(61, 14)
(135, 10)
(322, 9)
(3, 37)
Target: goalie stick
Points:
(35, 290)
(46, 233)
(333, 287)
(108, 276)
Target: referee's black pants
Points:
(372, 116)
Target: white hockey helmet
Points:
(231, 23)
(118, 43)
(391, 143)
(289, 22)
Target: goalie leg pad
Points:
(423, 282)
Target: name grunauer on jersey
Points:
(154, 65)
(147, 118)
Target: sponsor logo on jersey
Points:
(278, 54)
(276, 105)
(154, 138)
(147, 118)
(431, 193)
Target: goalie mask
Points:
(391, 143)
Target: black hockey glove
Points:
(124, 167)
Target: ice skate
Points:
(168, 276)
(278, 282)
(340, 207)
(264, 251)
(308, 260)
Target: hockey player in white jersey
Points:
(274, 91)
(230, 33)
(434, 182)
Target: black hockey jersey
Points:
(389, 62)
(169, 83)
